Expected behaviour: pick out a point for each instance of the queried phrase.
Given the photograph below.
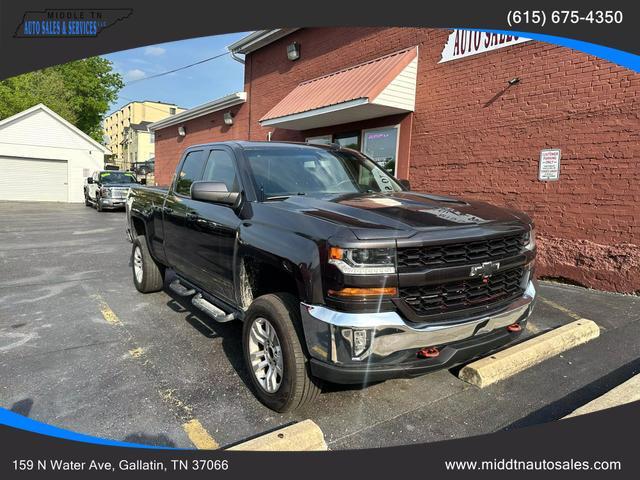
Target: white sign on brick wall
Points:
(549, 167)
(464, 43)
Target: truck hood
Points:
(377, 215)
(119, 185)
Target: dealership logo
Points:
(69, 22)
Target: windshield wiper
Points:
(284, 197)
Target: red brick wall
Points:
(473, 137)
(209, 128)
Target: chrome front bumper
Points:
(330, 334)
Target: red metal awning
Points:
(351, 94)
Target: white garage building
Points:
(44, 158)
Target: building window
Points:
(172, 111)
(321, 139)
(348, 140)
(381, 145)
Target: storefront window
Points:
(381, 145)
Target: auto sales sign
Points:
(465, 43)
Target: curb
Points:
(512, 360)
(303, 436)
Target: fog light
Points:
(359, 342)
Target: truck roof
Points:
(254, 144)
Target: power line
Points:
(177, 69)
(167, 73)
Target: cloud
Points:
(134, 74)
(154, 51)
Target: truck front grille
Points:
(435, 256)
(464, 294)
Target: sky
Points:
(187, 88)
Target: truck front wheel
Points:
(272, 342)
(148, 276)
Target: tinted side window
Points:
(191, 172)
(220, 168)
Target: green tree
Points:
(79, 91)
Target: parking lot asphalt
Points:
(81, 349)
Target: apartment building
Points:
(122, 125)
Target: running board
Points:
(180, 289)
(211, 310)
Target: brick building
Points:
(472, 126)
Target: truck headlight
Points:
(105, 192)
(363, 261)
(531, 240)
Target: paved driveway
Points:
(80, 348)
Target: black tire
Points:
(152, 274)
(99, 205)
(298, 387)
(87, 202)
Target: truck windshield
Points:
(117, 177)
(282, 172)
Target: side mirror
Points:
(90, 180)
(215, 192)
(406, 184)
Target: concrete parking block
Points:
(510, 361)
(626, 392)
(302, 436)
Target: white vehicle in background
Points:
(107, 189)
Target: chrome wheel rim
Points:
(137, 264)
(265, 355)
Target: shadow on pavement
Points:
(567, 404)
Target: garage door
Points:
(33, 179)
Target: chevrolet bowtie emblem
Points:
(484, 270)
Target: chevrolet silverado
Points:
(338, 271)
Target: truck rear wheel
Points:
(272, 342)
(148, 276)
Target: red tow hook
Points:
(428, 352)
(514, 327)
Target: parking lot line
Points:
(199, 436)
(563, 309)
(196, 433)
(110, 317)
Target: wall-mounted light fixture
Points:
(228, 118)
(293, 51)
(181, 131)
(514, 80)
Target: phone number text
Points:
(541, 17)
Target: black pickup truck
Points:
(339, 272)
